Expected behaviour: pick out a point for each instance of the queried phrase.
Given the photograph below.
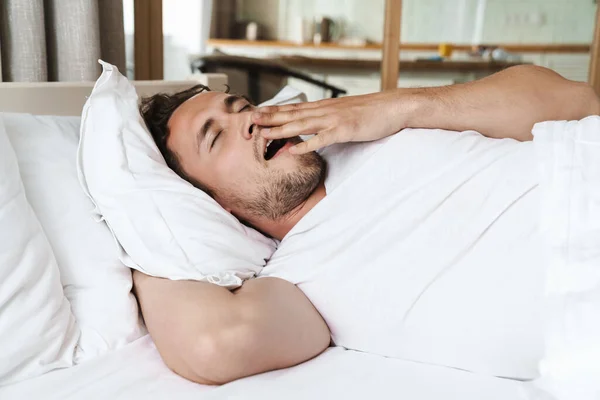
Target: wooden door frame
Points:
(148, 40)
(390, 60)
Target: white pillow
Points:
(568, 155)
(167, 227)
(37, 330)
(287, 95)
(96, 283)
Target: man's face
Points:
(218, 145)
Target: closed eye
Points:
(245, 108)
(215, 139)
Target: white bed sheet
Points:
(136, 372)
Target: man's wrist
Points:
(410, 107)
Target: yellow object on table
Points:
(445, 49)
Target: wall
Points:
(358, 18)
(456, 21)
(265, 12)
(508, 21)
(424, 21)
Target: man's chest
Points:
(390, 257)
(396, 207)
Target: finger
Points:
(280, 108)
(321, 140)
(307, 126)
(320, 104)
(297, 106)
(285, 117)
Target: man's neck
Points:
(278, 229)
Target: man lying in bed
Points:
(220, 143)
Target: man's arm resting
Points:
(506, 104)
(210, 335)
(503, 105)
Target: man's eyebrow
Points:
(202, 133)
(229, 101)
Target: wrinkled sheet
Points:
(136, 372)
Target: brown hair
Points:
(156, 111)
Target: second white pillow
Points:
(96, 283)
(37, 330)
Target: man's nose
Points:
(248, 128)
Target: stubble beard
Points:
(278, 192)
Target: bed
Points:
(136, 370)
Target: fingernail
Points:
(256, 115)
(265, 131)
(293, 150)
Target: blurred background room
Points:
(326, 48)
(339, 42)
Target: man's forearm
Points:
(506, 104)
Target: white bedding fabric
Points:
(569, 159)
(137, 373)
(95, 282)
(38, 332)
(167, 227)
(425, 248)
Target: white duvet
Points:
(136, 372)
(426, 249)
(569, 159)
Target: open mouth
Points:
(273, 147)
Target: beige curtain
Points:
(59, 40)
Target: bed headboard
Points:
(67, 98)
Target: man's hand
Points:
(210, 335)
(347, 119)
(503, 105)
